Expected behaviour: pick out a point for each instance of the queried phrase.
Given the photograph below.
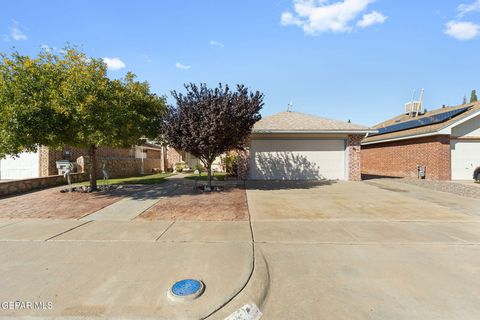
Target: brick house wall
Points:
(354, 157)
(400, 158)
(153, 154)
(173, 156)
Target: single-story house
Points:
(296, 146)
(444, 142)
(121, 161)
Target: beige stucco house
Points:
(297, 146)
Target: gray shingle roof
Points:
(300, 122)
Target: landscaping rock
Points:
(460, 189)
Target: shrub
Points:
(231, 163)
(198, 167)
(476, 174)
(179, 167)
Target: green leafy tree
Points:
(473, 96)
(209, 122)
(68, 99)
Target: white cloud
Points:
(371, 18)
(215, 43)
(114, 63)
(317, 16)
(462, 30)
(463, 9)
(179, 65)
(16, 32)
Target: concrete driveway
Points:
(365, 250)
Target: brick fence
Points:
(19, 186)
(121, 167)
(49, 156)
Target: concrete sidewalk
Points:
(130, 207)
(119, 269)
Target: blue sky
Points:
(352, 59)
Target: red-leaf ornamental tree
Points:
(208, 122)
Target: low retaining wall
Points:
(19, 186)
(116, 168)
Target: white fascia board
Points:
(359, 131)
(448, 129)
(436, 133)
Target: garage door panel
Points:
(465, 158)
(297, 159)
(299, 145)
(25, 166)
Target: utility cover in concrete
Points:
(186, 289)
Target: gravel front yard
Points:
(187, 204)
(461, 189)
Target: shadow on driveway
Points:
(285, 185)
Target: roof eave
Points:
(445, 130)
(345, 131)
(411, 136)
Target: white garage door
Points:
(24, 167)
(297, 159)
(465, 158)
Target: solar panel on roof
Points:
(425, 121)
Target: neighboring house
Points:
(119, 161)
(446, 142)
(297, 146)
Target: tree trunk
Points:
(92, 152)
(209, 173)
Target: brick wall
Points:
(121, 167)
(354, 157)
(173, 156)
(49, 156)
(400, 158)
(153, 154)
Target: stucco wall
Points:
(19, 186)
(470, 128)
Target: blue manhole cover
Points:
(186, 289)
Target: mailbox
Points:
(63, 165)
